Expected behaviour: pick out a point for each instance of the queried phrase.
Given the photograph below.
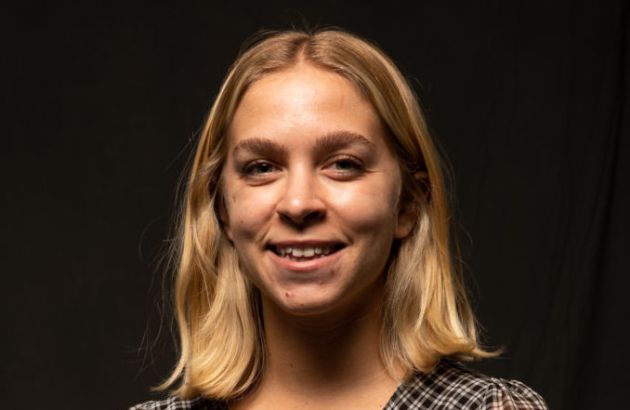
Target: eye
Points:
(346, 167)
(258, 168)
(346, 164)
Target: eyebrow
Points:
(341, 139)
(329, 142)
(261, 146)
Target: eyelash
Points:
(357, 166)
(253, 169)
(249, 169)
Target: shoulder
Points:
(175, 403)
(453, 386)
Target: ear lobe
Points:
(409, 211)
(407, 218)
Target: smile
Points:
(305, 252)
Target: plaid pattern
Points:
(454, 387)
(174, 403)
(450, 387)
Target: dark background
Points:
(529, 102)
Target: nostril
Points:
(303, 218)
(301, 203)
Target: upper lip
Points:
(302, 243)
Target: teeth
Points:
(305, 252)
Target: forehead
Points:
(301, 102)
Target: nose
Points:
(301, 205)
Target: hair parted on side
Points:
(426, 312)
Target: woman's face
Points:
(311, 191)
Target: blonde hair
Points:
(426, 313)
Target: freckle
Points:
(287, 294)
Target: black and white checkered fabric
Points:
(450, 387)
(173, 403)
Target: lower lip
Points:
(305, 266)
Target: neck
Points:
(325, 353)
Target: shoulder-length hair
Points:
(426, 314)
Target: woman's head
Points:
(315, 143)
(311, 193)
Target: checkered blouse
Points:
(450, 386)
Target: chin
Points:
(303, 302)
(337, 306)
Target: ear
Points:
(408, 213)
(407, 217)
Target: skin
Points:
(308, 163)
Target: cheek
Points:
(248, 210)
(368, 207)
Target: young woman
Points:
(315, 269)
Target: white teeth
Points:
(305, 252)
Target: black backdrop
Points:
(528, 99)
